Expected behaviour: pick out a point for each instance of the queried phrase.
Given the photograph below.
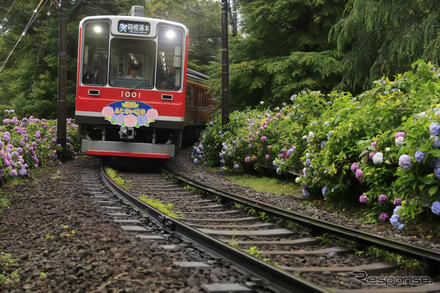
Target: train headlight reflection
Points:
(170, 34)
(97, 29)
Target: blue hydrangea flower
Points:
(435, 142)
(405, 161)
(396, 221)
(419, 156)
(236, 166)
(434, 128)
(396, 209)
(435, 208)
(306, 192)
(195, 161)
(437, 172)
(324, 191)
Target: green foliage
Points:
(284, 48)
(383, 37)
(167, 208)
(403, 262)
(324, 135)
(115, 177)
(6, 278)
(323, 238)
(4, 202)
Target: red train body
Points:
(135, 96)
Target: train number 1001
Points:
(130, 95)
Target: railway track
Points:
(287, 260)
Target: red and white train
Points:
(135, 95)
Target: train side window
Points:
(169, 59)
(95, 53)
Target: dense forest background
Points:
(283, 46)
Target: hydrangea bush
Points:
(380, 149)
(30, 143)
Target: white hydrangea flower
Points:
(378, 158)
(399, 141)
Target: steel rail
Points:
(431, 258)
(279, 279)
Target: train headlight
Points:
(97, 29)
(171, 34)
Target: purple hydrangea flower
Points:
(354, 167)
(263, 138)
(195, 161)
(236, 166)
(15, 154)
(397, 202)
(13, 173)
(23, 172)
(435, 208)
(382, 198)
(359, 174)
(396, 221)
(434, 128)
(363, 199)
(383, 217)
(419, 156)
(405, 161)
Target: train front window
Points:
(169, 59)
(132, 63)
(95, 53)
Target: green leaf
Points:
(433, 190)
(435, 152)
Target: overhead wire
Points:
(35, 14)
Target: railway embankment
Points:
(183, 164)
(56, 237)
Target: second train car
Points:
(135, 96)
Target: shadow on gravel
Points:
(138, 165)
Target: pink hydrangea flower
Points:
(400, 134)
(354, 167)
(373, 144)
(363, 199)
(263, 138)
(267, 157)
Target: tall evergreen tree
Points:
(384, 37)
(284, 49)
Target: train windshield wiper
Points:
(139, 84)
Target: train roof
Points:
(196, 76)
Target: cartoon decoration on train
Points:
(130, 114)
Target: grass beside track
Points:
(266, 184)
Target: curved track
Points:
(222, 230)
